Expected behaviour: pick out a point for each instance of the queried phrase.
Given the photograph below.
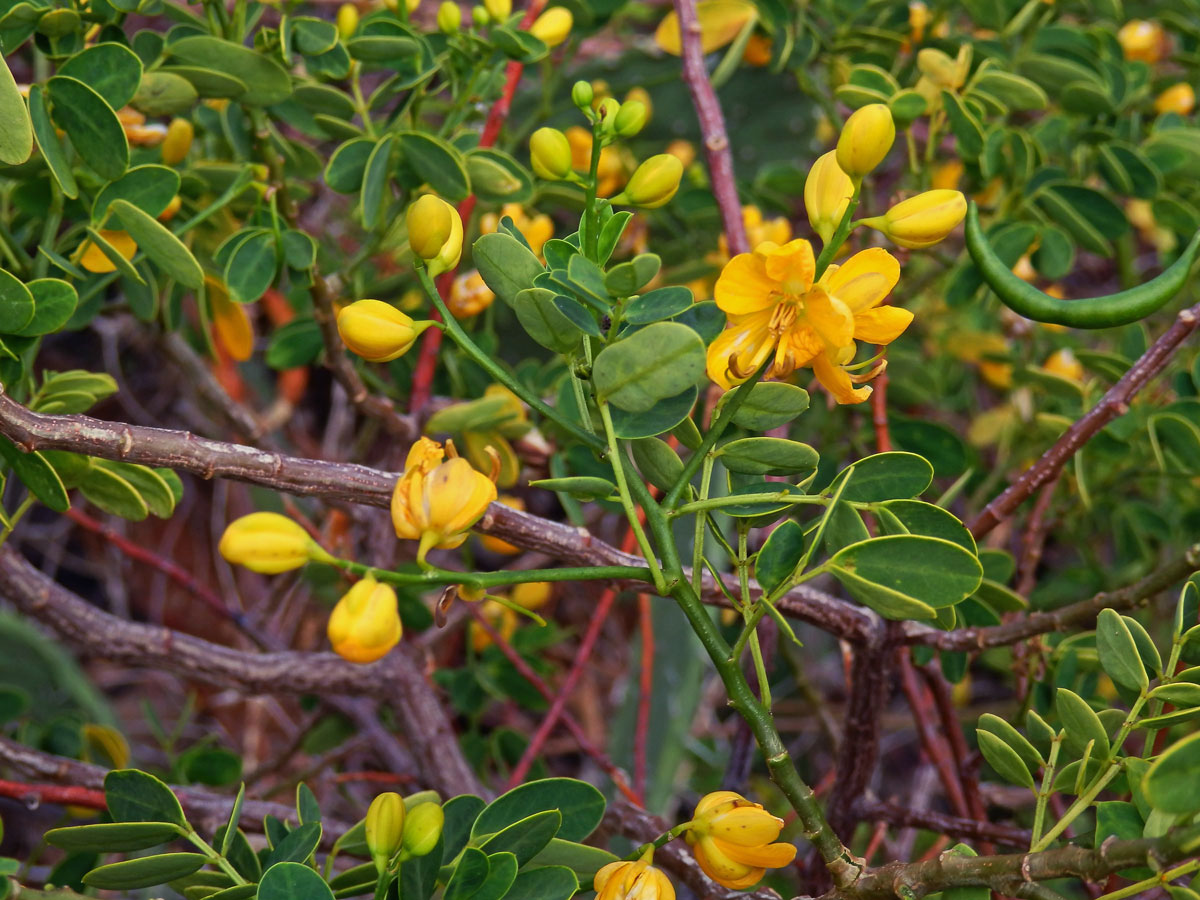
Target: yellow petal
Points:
(232, 325)
(864, 279)
(835, 380)
(881, 325)
(747, 343)
(718, 865)
(830, 317)
(797, 346)
(792, 265)
(769, 856)
(720, 23)
(744, 286)
(710, 802)
(746, 826)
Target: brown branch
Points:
(931, 740)
(712, 127)
(953, 826)
(396, 679)
(1113, 404)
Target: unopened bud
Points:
(631, 118)
(377, 331)
(423, 829)
(449, 17)
(582, 94)
(923, 220)
(347, 20)
(655, 181)
(178, 142)
(607, 112)
(552, 26)
(385, 828)
(866, 139)
(268, 543)
(435, 232)
(499, 10)
(550, 154)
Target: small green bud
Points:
(423, 828)
(550, 154)
(631, 118)
(385, 828)
(449, 17)
(582, 94)
(607, 111)
(480, 16)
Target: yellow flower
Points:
(537, 228)
(655, 181)
(1178, 98)
(1142, 41)
(866, 139)
(436, 502)
(947, 175)
(385, 828)
(269, 543)
(365, 624)
(759, 230)
(178, 141)
(552, 26)
(172, 208)
(1064, 364)
(720, 22)
(923, 220)
(234, 332)
(918, 19)
(758, 51)
(773, 305)
(983, 350)
(93, 258)
(827, 193)
(939, 72)
(377, 331)
(733, 840)
(499, 545)
(469, 296)
(632, 881)
(435, 232)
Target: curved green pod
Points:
(1108, 311)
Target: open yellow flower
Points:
(437, 501)
(733, 840)
(772, 304)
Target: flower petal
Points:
(744, 286)
(830, 317)
(720, 867)
(748, 343)
(835, 380)
(746, 826)
(881, 325)
(769, 856)
(863, 280)
(797, 346)
(792, 263)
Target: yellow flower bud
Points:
(93, 259)
(947, 175)
(655, 181)
(642, 96)
(1178, 98)
(469, 295)
(550, 154)
(178, 142)
(385, 828)
(435, 232)
(423, 828)
(347, 20)
(377, 331)
(733, 840)
(553, 26)
(582, 94)
(866, 139)
(499, 10)
(449, 17)
(632, 881)
(531, 594)
(1141, 40)
(630, 119)
(480, 17)
(1064, 364)
(269, 543)
(365, 624)
(682, 150)
(172, 208)
(923, 220)
(232, 325)
(827, 193)
(437, 502)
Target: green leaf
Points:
(1016, 92)
(135, 796)
(149, 188)
(1128, 171)
(1172, 783)
(297, 343)
(886, 476)
(146, 871)
(1081, 723)
(469, 875)
(1119, 652)
(770, 405)
(659, 304)
(150, 486)
(585, 278)
(17, 306)
(658, 463)
(112, 70)
(293, 881)
(160, 244)
(662, 417)
(502, 873)
(252, 266)
(90, 123)
(16, 133)
(549, 883)
(544, 321)
(36, 474)
(122, 265)
(1004, 760)
(610, 234)
(506, 265)
(48, 141)
(266, 81)
(1020, 745)
(209, 82)
(628, 278)
(581, 487)
(903, 576)
(968, 132)
(461, 813)
(112, 837)
(164, 94)
(919, 517)
(659, 361)
(583, 860)
(581, 805)
(112, 493)
(435, 162)
(1091, 218)
(519, 45)
(498, 178)
(383, 48)
(298, 846)
(767, 456)
(375, 182)
(780, 554)
(526, 838)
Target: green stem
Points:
(497, 579)
(662, 840)
(41, 265)
(618, 467)
(748, 610)
(1043, 797)
(698, 539)
(15, 518)
(360, 102)
(839, 236)
(489, 365)
(215, 858)
(740, 499)
(1162, 878)
(589, 210)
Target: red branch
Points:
(431, 342)
(932, 742)
(712, 127)
(61, 794)
(645, 694)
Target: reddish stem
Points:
(645, 695)
(879, 416)
(62, 794)
(931, 742)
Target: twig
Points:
(641, 729)
(927, 733)
(953, 826)
(712, 128)
(1114, 403)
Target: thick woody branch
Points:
(1113, 404)
(396, 679)
(712, 127)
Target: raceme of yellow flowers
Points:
(779, 309)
